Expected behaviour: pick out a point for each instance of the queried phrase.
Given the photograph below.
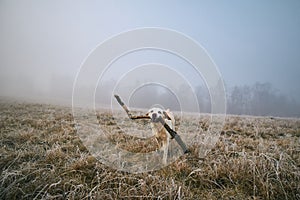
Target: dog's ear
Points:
(166, 115)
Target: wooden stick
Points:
(175, 135)
(123, 105)
(130, 115)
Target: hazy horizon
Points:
(44, 43)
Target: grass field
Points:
(42, 157)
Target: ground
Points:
(43, 157)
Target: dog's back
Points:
(171, 122)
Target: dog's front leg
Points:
(165, 149)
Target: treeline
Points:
(261, 99)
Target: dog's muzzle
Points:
(155, 118)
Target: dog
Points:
(161, 134)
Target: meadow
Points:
(43, 157)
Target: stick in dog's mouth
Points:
(155, 120)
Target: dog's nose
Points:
(154, 115)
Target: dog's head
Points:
(156, 114)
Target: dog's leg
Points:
(165, 155)
(165, 149)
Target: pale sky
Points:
(45, 42)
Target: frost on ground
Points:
(42, 156)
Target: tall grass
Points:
(42, 157)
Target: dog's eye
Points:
(159, 112)
(151, 111)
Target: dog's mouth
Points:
(156, 119)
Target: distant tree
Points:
(169, 100)
(262, 98)
(188, 98)
(103, 91)
(235, 101)
(203, 98)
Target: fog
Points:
(255, 46)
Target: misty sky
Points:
(43, 43)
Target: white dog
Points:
(161, 134)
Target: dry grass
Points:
(43, 158)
